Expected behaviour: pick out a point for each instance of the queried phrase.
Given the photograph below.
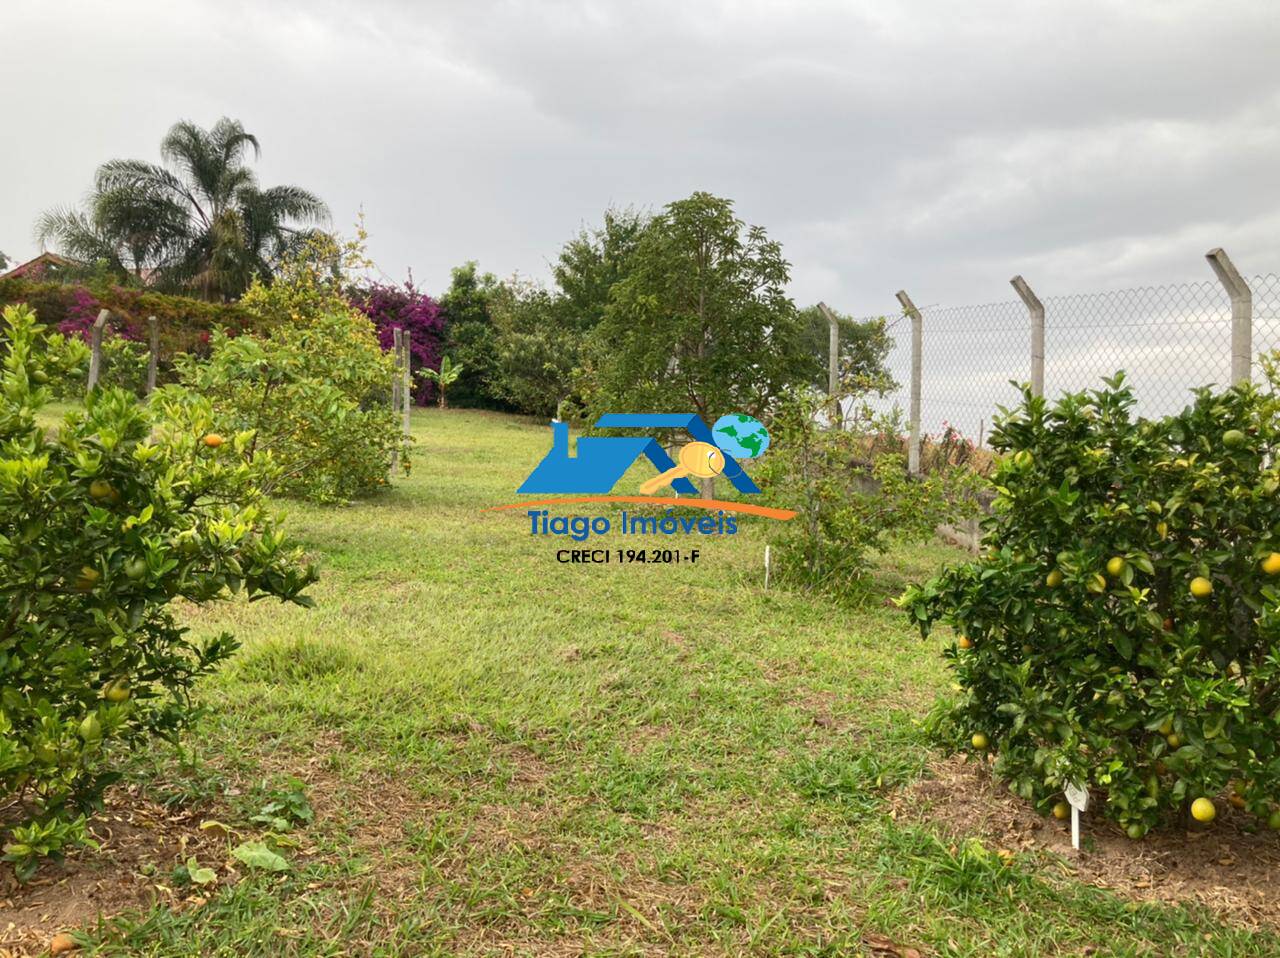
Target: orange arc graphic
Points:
(746, 507)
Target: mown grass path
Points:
(509, 755)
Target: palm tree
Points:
(198, 222)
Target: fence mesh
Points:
(1167, 339)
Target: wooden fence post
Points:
(95, 348)
(397, 384)
(154, 360)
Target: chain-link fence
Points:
(1167, 339)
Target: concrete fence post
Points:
(397, 385)
(153, 361)
(95, 348)
(1036, 309)
(913, 447)
(1241, 314)
(833, 357)
(406, 398)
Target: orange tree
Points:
(314, 395)
(1121, 629)
(102, 526)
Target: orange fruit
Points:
(1271, 564)
(212, 440)
(979, 741)
(1116, 566)
(100, 489)
(1201, 587)
(964, 642)
(1061, 811)
(1203, 810)
(1053, 579)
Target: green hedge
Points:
(185, 324)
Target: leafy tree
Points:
(4, 261)
(591, 263)
(538, 348)
(470, 336)
(314, 390)
(1120, 630)
(199, 222)
(864, 347)
(541, 333)
(104, 524)
(699, 320)
(313, 396)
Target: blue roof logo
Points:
(599, 462)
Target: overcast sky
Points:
(937, 146)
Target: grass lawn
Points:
(509, 755)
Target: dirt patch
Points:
(643, 737)
(1231, 868)
(140, 843)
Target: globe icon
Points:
(742, 437)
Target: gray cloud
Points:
(932, 145)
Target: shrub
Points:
(538, 349)
(850, 507)
(315, 397)
(404, 307)
(1121, 630)
(63, 363)
(470, 337)
(184, 325)
(124, 365)
(102, 526)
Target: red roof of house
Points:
(35, 268)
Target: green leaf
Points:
(198, 874)
(258, 855)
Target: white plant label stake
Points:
(1078, 799)
(766, 567)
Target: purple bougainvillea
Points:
(405, 307)
(82, 312)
